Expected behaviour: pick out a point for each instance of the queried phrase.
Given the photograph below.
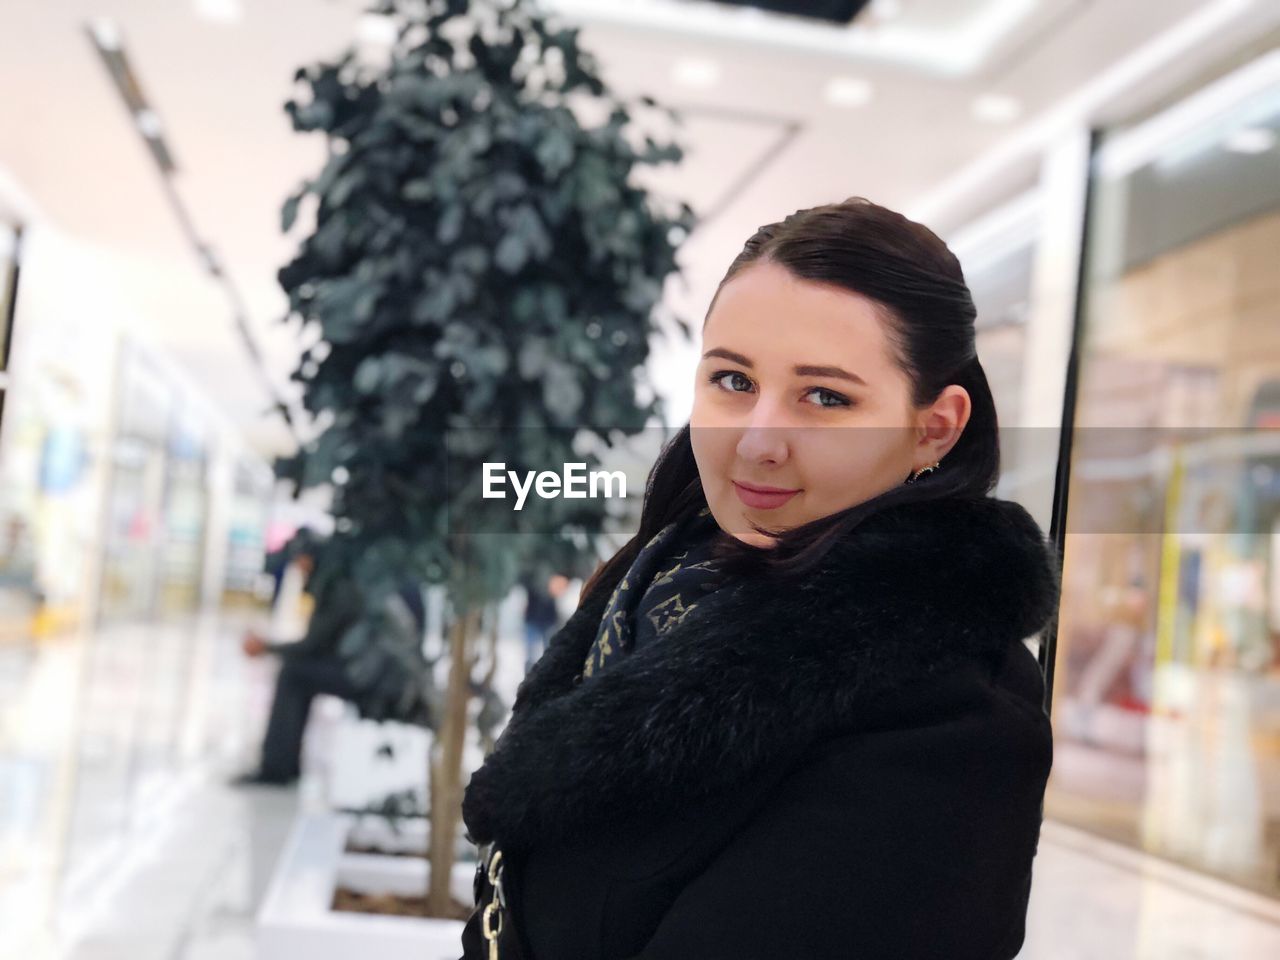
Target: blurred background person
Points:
(309, 665)
(541, 613)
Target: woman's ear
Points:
(944, 421)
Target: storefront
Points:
(57, 391)
(1167, 689)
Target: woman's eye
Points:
(716, 378)
(836, 399)
(739, 382)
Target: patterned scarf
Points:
(668, 577)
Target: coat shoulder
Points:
(975, 707)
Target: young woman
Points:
(794, 716)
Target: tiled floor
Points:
(163, 861)
(1095, 900)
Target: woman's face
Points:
(797, 390)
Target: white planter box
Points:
(357, 775)
(373, 831)
(297, 922)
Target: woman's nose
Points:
(764, 437)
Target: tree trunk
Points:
(486, 685)
(446, 766)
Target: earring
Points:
(916, 475)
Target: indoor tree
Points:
(479, 278)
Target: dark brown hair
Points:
(917, 283)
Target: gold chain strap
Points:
(495, 905)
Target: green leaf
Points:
(435, 305)
(418, 190)
(425, 388)
(366, 303)
(555, 153)
(450, 226)
(562, 393)
(368, 375)
(532, 358)
(289, 213)
(555, 310)
(512, 253)
(473, 259)
(345, 185)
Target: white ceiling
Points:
(760, 143)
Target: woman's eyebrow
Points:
(801, 369)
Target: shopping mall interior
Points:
(1108, 176)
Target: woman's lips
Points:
(761, 500)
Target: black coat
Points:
(848, 768)
(337, 608)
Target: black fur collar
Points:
(761, 671)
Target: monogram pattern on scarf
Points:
(662, 585)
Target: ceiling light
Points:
(1250, 140)
(1248, 97)
(996, 108)
(377, 29)
(148, 122)
(958, 45)
(848, 92)
(692, 72)
(1074, 110)
(105, 33)
(219, 11)
(884, 10)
